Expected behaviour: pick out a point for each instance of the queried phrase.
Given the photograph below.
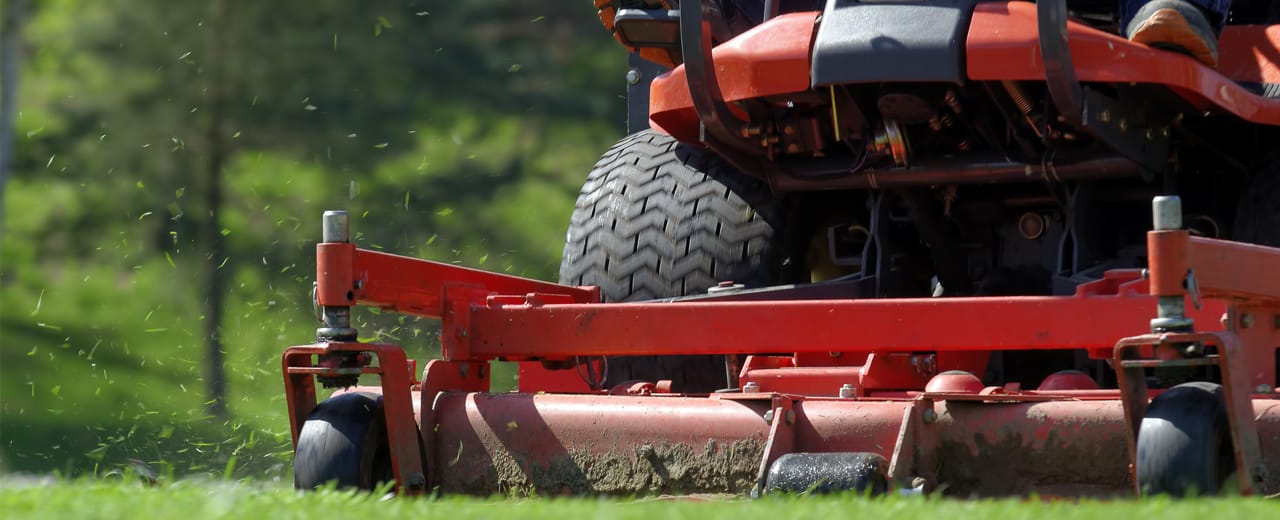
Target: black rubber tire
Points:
(1184, 443)
(825, 473)
(657, 219)
(1258, 214)
(344, 440)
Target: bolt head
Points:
(930, 416)
(633, 77)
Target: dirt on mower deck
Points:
(651, 469)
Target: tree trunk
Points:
(216, 257)
(11, 25)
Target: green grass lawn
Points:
(193, 500)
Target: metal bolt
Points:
(768, 417)
(1146, 274)
(1263, 389)
(846, 391)
(1164, 131)
(1105, 116)
(633, 77)
(417, 481)
(930, 416)
(751, 388)
(1149, 134)
(1246, 320)
(334, 227)
(1166, 212)
(1124, 125)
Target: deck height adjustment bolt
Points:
(1166, 212)
(846, 391)
(336, 226)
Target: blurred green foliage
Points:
(454, 131)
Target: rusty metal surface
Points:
(628, 445)
(619, 445)
(1013, 449)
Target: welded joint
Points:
(782, 439)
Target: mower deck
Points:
(894, 378)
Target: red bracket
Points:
(393, 369)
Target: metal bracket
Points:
(1121, 127)
(1133, 355)
(721, 130)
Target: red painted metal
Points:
(955, 381)
(770, 59)
(783, 436)
(1234, 271)
(883, 326)
(773, 59)
(533, 377)
(1243, 274)
(414, 286)
(1067, 380)
(1003, 44)
(438, 377)
(885, 349)
(556, 444)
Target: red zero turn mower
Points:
(872, 245)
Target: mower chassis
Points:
(896, 378)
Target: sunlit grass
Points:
(193, 500)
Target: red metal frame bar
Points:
(1222, 269)
(523, 331)
(346, 276)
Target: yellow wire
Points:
(835, 117)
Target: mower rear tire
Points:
(1184, 442)
(344, 441)
(1258, 216)
(658, 218)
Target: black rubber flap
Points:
(891, 41)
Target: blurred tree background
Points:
(168, 168)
